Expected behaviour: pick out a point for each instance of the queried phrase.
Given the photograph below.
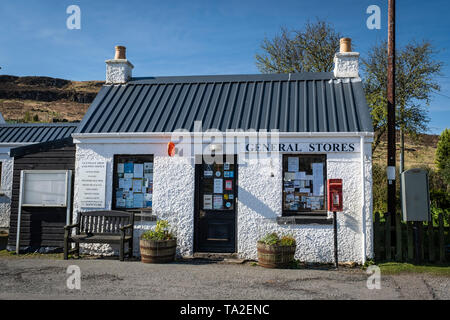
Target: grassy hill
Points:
(418, 152)
(45, 99)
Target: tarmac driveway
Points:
(112, 279)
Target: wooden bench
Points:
(100, 227)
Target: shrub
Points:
(443, 155)
(161, 232)
(270, 239)
(287, 241)
(273, 239)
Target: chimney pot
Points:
(120, 52)
(346, 64)
(119, 69)
(345, 45)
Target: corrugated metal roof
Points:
(305, 102)
(35, 132)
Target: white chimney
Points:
(119, 69)
(346, 63)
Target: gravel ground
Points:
(112, 279)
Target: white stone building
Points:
(274, 141)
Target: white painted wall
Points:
(5, 187)
(259, 198)
(260, 203)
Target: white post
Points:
(19, 213)
(363, 199)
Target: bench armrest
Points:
(128, 226)
(70, 226)
(124, 230)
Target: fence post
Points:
(410, 241)
(387, 235)
(422, 242)
(430, 241)
(398, 240)
(377, 237)
(441, 238)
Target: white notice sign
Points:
(92, 183)
(292, 164)
(317, 169)
(218, 186)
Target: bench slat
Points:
(98, 238)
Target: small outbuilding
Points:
(33, 147)
(20, 135)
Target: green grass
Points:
(12, 255)
(398, 268)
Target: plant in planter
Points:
(276, 252)
(159, 245)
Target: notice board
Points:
(92, 183)
(45, 188)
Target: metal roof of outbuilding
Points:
(304, 102)
(35, 132)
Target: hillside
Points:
(45, 99)
(418, 152)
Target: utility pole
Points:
(391, 205)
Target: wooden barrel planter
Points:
(158, 251)
(275, 256)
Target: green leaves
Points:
(310, 49)
(272, 239)
(416, 70)
(161, 232)
(443, 155)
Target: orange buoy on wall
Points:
(171, 149)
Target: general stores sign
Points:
(310, 147)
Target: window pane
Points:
(44, 189)
(304, 181)
(133, 181)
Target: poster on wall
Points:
(293, 164)
(138, 170)
(218, 186)
(207, 202)
(217, 202)
(318, 187)
(92, 183)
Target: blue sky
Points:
(198, 37)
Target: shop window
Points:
(132, 182)
(304, 184)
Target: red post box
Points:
(334, 189)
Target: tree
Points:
(443, 156)
(415, 81)
(310, 49)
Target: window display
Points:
(304, 180)
(133, 181)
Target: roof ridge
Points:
(303, 76)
